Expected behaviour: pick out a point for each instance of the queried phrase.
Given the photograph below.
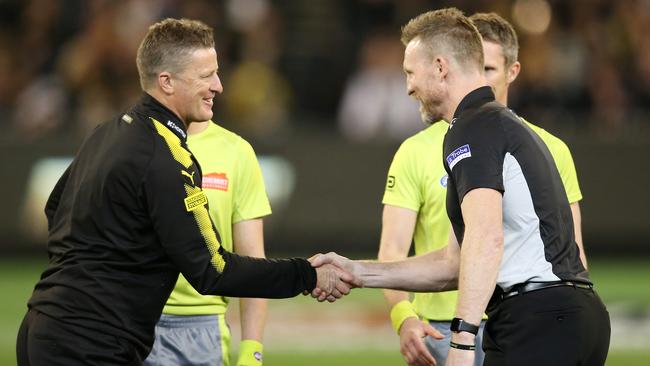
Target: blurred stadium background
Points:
(317, 87)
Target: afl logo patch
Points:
(443, 180)
(390, 182)
(459, 154)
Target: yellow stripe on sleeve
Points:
(195, 201)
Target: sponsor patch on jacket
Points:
(458, 155)
(215, 181)
(195, 201)
(175, 127)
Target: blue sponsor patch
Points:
(458, 155)
(443, 180)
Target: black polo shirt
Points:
(488, 146)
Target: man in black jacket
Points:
(129, 214)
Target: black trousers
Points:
(560, 326)
(43, 340)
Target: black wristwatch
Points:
(459, 325)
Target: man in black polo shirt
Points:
(509, 212)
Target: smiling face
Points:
(498, 74)
(195, 87)
(424, 81)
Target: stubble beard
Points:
(428, 114)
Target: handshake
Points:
(335, 276)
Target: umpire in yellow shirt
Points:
(414, 203)
(192, 330)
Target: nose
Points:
(216, 85)
(409, 89)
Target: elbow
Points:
(494, 238)
(494, 243)
(390, 252)
(486, 242)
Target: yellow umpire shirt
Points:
(417, 180)
(233, 183)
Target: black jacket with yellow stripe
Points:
(126, 217)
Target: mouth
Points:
(208, 101)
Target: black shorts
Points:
(43, 340)
(555, 326)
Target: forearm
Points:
(479, 267)
(577, 227)
(385, 255)
(480, 254)
(432, 272)
(254, 277)
(248, 239)
(397, 228)
(253, 318)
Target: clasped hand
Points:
(335, 276)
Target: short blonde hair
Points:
(494, 28)
(167, 45)
(450, 30)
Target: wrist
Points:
(463, 338)
(459, 325)
(400, 312)
(462, 346)
(250, 353)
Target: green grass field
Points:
(620, 284)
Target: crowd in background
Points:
(66, 65)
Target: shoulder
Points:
(131, 129)
(484, 123)
(230, 138)
(426, 139)
(554, 143)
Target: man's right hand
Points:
(411, 339)
(332, 283)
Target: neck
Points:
(504, 98)
(464, 85)
(165, 100)
(197, 127)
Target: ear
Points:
(166, 83)
(513, 71)
(441, 67)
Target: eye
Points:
(209, 75)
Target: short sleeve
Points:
(250, 200)
(402, 184)
(474, 156)
(567, 169)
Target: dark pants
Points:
(556, 326)
(43, 340)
